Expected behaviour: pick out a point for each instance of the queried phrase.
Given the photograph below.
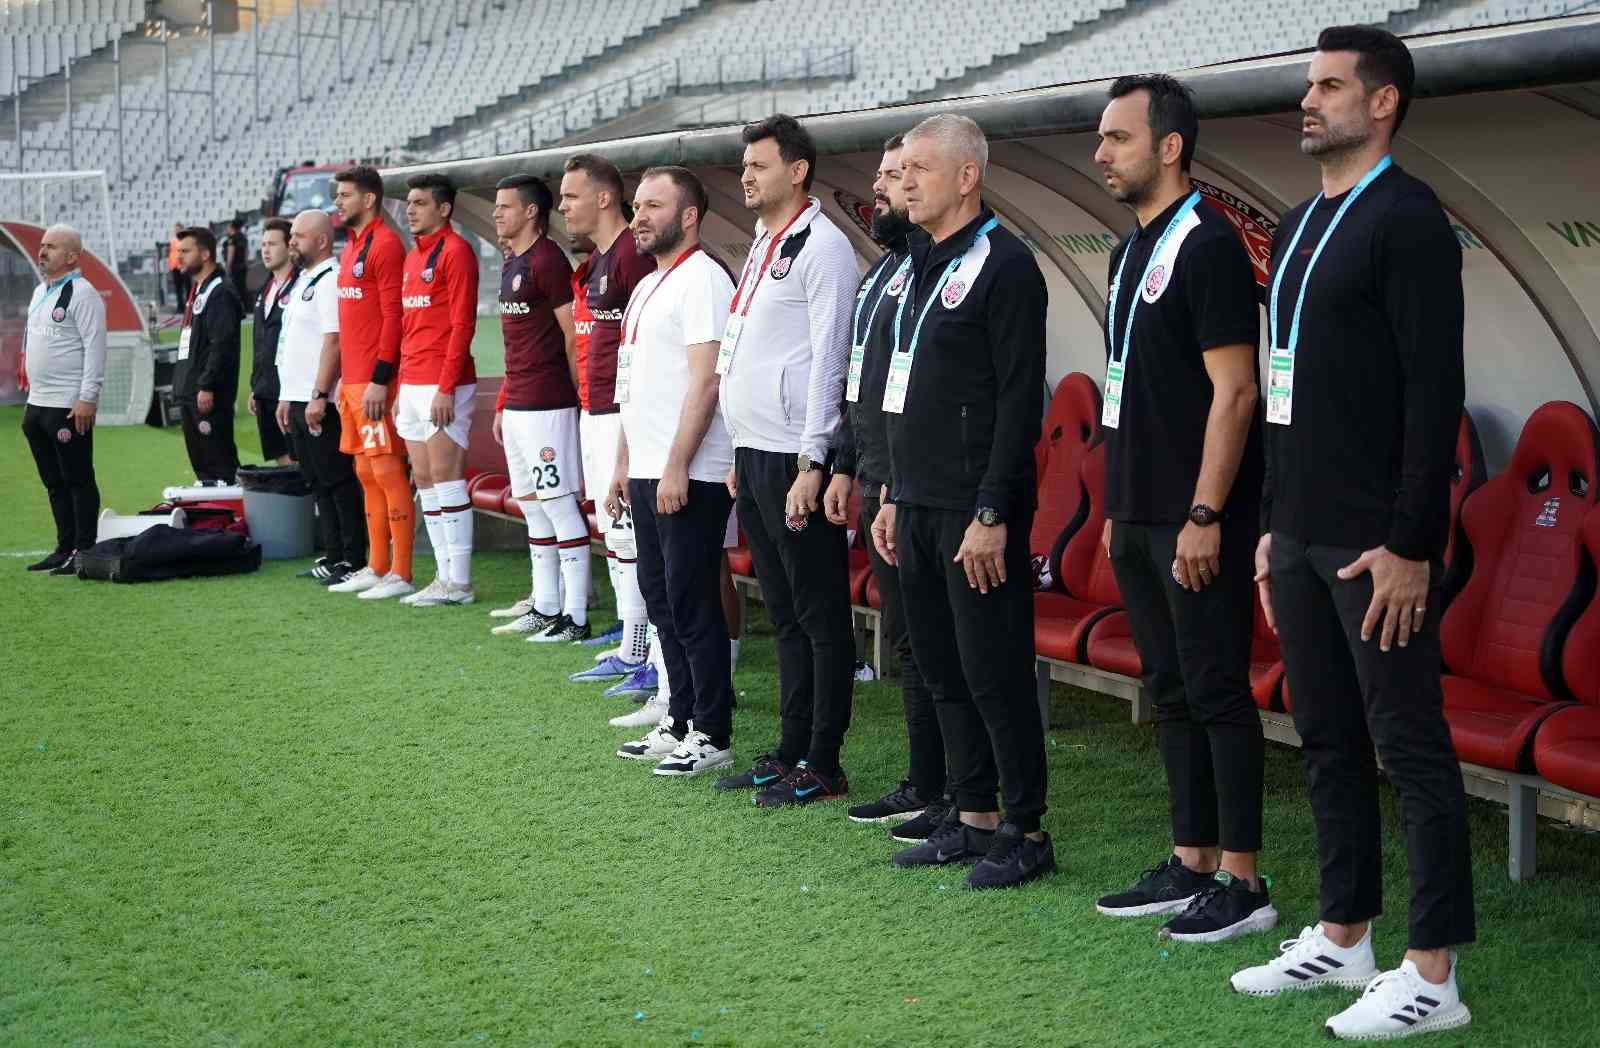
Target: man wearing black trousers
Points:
(268, 314)
(1364, 398)
(206, 380)
(64, 361)
(1183, 473)
(672, 461)
(782, 360)
(307, 363)
(962, 394)
(863, 457)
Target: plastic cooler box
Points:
(279, 511)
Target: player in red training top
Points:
(439, 311)
(536, 414)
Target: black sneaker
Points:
(898, 805)
(803, 785)
(1168, 887)
(562, 630)
(952, 842)
(52, 562)
(921, 827)
(68, 566)
(318, 570)
(1013, 860)
(767, 770)
(1226, 910)
(337, 572)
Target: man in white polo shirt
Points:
(64, 359)
(308, 370)
(672, 458)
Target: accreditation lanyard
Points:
(1117, 366)
(894, 390)
(858, 341)
(1280, 359)
(624, 380)
(188, 317)
(730, 334)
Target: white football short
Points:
(599, 435)
(542, 453)
(412, 419)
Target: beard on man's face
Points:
(890, 226)
(668, 236)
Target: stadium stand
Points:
(41, 37)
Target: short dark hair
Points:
(1171, 110)
(1383, 59)
(691, 192)
(531, 190)
(600, 170)
(794, 141)
(364, 177)
(440, 187)
(893, 142)
(203, 238)
(233, 224)
(276, 225)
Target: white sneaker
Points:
(654, 746)
(695, 755)
(462, 594)
(533, 622)
(515, 611)
(1309, 962)
(391, 586)
(1401, 1003)
(652, 712)
(429, 596)
(362, 580)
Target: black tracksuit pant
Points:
(341, 510)
(926, 770)
(680, 575)
(1195, 648)
(975, 651)
(805, 586)
(209, 440)
(274, 444)
(1347, 697)
(65, 459)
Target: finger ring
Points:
(1204, 573)
(1421, 609)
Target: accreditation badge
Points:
(894, 390)
(624, 381)
(183, 344)
(1111, 410)
(1280, 387)
(730, 343)
(858, 359)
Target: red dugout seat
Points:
(1070, 427)
(488, 491)
(483, 454)
(1567, 748)
(1468, 477)
(1062, 620)
(1502, 634)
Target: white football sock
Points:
(455, 509)
(432, 520)
(572, 539)
(733, 660)
(542, 553)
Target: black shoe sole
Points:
(1038, 871)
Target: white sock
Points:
(436, 533)
(664, 683)
(542, 553)
(572, 539)
(455, 509)
(733, 649)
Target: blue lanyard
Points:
(1283, 260)
(911, 290)
(1189, 205)
(44, 293)
(855, 322)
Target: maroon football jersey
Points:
(533, 285)
(612, 276)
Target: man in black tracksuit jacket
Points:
(969, 358)
(206, 381)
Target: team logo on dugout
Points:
(780, 268)
(547, 454)
(58, 314)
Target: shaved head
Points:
(59, 250)
(68, 238)
(310, 237)
(313, 222)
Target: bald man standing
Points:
(64, 359)
(308, 369)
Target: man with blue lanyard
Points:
(64, 360)
(1183, 474)
(962, 396)
(1364, 397)
(917, 804)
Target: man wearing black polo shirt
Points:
(962, 395)
(1364, 396)
(1183, 472)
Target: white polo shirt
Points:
(311, 312)
(64, 347)
(690, 307)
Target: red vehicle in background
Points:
(296, 189)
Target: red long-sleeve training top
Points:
(369, 305)
(439, 312)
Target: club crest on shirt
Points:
(547, 454)
(780, 268)
(966, 274)
(897, 284)
(953, 293)
(604, 277)
(308, 294)
(358, 270)
(204, 427)
(1155, 283)
(516, 283)
(58, 314)
(427, 275)
(64, 435)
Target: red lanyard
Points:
(772, 247)
(634, 338)
(188, 306)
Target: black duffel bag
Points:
(164, 552)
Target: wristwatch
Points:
(805, 463)
(317, 394)
(988, 516)
(1203, 515)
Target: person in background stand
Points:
(206, 380)
(236, 260)
(268, 312)
(180, 279)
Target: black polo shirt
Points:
(1378, 374)
(863, 439)
(1201, 297)
(965, 440)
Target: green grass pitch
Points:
(244, 811)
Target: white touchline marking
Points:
(25, 553)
